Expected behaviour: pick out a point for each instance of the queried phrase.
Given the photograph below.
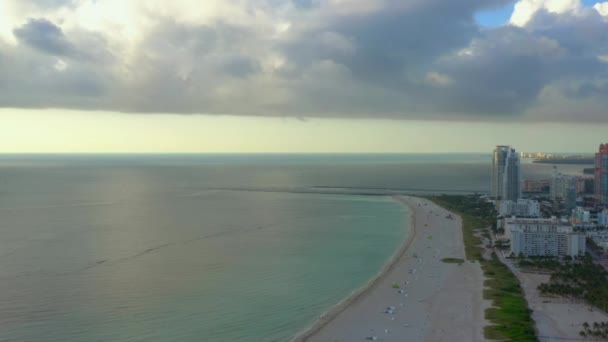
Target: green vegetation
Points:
(593, 245)
(509, 312)
(539, 263)
(596, 331)
(453, 261)
(395, 285)
(579, 279)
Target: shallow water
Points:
(132, 253)
(137, 248)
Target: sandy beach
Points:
(435, 301)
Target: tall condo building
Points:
(512, 177)
(564, 188)
(498, 170)
(506, 174)
(601, 174)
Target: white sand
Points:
(441, 302)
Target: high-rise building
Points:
(564, 189)
(521, 208)
(512, 178)
(506, 174)
(602, 218)
(601, 174)
(537, 185)
(498, 170)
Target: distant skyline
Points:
(302, 75)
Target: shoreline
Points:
(332, 313)
(434, 300)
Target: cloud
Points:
(602, 8)
(415, 59)
(525, 10)
(436, 79)
(43, 35)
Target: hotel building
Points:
(544, 237)
(521, 208)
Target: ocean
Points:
(202, 247)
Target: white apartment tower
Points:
(544, 237)
(506, 174)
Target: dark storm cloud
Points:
(46, 37)
(33, 81)
(502, 72)
(43, 35)
(392, 39)
(241, 66)
(47, 68)
(423, 59)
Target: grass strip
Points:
(453, 261)
(510, 316)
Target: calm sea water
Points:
(131, 248)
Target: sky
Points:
(302, 75)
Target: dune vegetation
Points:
(510, 316)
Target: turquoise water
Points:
(132, 253)
(133, 248)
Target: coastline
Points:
(434, 300)
(333, 312)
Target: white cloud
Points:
(525, 10)
(60, 65)
(602, 8)
(7, 22)
(436, 79)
